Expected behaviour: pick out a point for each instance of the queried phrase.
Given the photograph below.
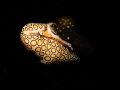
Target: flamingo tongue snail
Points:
(41, 39)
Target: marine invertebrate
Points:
(41, 39)
(65, 28)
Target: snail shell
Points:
(42, 40)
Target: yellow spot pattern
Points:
(47, 52)
(62, 57)
(29, 24)
(40, 26)
(54, 60)
(58, 54)
(29, 36)
(30, 29)
(39, 42)
(48, 46)
(53, 55)
(29, 47)
(41, 53)
(53, 50)
(33, 42)
(53, 44)
(35, 37)
(26, 41)
(43, 48)
(45, 41)
(58, 48)
(35, 27)
(37, 49)
(47, 58)
(26, 29)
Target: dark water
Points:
(20, 68)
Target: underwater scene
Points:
(51, 45)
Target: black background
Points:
(20, 69)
